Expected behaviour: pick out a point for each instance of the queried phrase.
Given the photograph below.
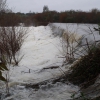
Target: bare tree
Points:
(11, 40)
(45, 9)
(3, 5)
(3, 64)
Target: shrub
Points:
(11, 40)
(85, 72)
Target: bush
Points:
(85, 72)
(11, 40)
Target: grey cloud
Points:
(58, 5)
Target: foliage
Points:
(9, 18)
(85, 72)
(70, 16)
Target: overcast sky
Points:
(58, 5)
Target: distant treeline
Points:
(71, 16)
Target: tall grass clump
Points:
(69, 45)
